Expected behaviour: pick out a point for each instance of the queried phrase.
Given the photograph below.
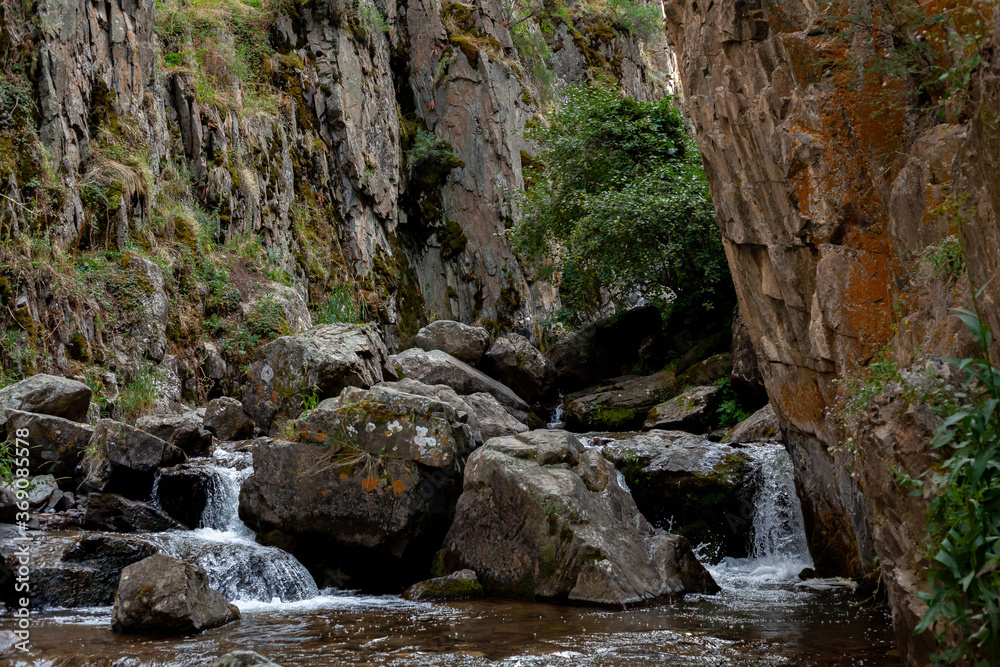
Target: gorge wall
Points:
(834, 184)
(169, 172)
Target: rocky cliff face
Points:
(836, 188)
(170, 173)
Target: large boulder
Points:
(123, 459)
(761, 426)
(161, 594)
(226, 418)
(324, 360)
(73, 569)
(517, 363)
(437, 367)
(692, 410)
(56, 446)
(109, 511)
(372, 486)
(461, 585)
(620, 404)
(185, 431)
(690, 486)
(47, 395)
(462, 341)
(466, 412)
(494, 421)
(707, 371)
(541, 516)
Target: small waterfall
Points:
(778, 551)
(237, 567)
(778, 527)
(558, 414)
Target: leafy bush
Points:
(964, 518)
(619, 209)
(731, 411)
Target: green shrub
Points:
(340, 306)
(731, 411)
(621, 208)
(139, 396)
(964, 518)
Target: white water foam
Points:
(778, 551)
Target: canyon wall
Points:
(836, 186)
(169, 171)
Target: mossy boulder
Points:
(692, 410)
(621, 404)
(47, 395)
(689, 485)
(542, 516)
(461, 585)
(320, 361)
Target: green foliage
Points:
(937, 46)
(265, 322)
(964, 518)
(867, 384)
(310, 400)
(731, 411)
(139, 396)
(340, 306)
(947, 259)
(621, 208)
(643, 21)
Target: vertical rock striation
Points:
(832, 188)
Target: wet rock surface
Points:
(761, 426)
(161, 594)
(461, 585)
(696, 488)
(541, 516)
(109, 511)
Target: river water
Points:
(763, 616)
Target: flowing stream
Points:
(764, 614)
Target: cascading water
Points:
(558, 413)
(778, 552)
(239, 568)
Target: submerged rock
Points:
(375, 480)
(244, 659)
(761, 426)
(436, 367)
(462, 341)
(517, 363)
(47, 395)
(620, 404)
(227, 420)
(185, 431)
(691, 486)
(161, 594)
(70, 571)
(56, 446)
(692, 411)
(541, 516)
(123, 459)
(324, 359)
(461, 585)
